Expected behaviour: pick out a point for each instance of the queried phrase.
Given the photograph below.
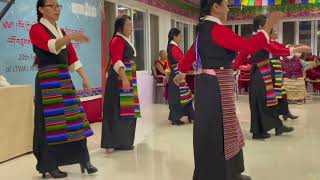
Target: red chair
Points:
(244, 77)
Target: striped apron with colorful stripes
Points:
(278, 87)
(233, 137)
(129, 101)
(265, 69)
(65, 120)
(184, 90)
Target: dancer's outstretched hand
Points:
(302, 49)
(79, 37)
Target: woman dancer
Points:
(218, 139)
(121, 103)
(266, 94)
(61, 127)
(179, 97)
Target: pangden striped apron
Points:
(129, 101)
(65, 120)
(275, 89)
(233, 137)
(184, 90)
(278, 85)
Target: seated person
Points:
(162, 70)
(161, 66)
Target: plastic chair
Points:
(244, 77)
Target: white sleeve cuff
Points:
(75, 66)
(119, 64)
(52, 46)
(265, 35)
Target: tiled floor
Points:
(164, 152)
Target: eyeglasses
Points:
(58, 6)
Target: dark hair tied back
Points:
(206, 6)
(40, 3)
(119, 24)
(173, 32)
(205, 9)
(259, 22)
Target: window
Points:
(154, 38)
(288, 33)
(305, 32)
(139, 38)
(185, 38)
(173, 23)
(179, 25)
(184, 28)
(236, 29)
(246, 30)
(139, 34)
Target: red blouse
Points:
(39, 37)
(273, 47)
(227, 39)
(176, 53)
(117, 46)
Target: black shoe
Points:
(89, 167)
(124, 148)
(242, 177)
(178, 123)
(289, 116)
(56, 174)
(261, 136)
(283, 129)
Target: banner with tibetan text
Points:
(16, 57)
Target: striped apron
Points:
(184, 90)
(265, 69)
(278, 87)
(233, 137)
(129, 101)
(65, 120)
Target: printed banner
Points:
(16, 58)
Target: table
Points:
(16, 118)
